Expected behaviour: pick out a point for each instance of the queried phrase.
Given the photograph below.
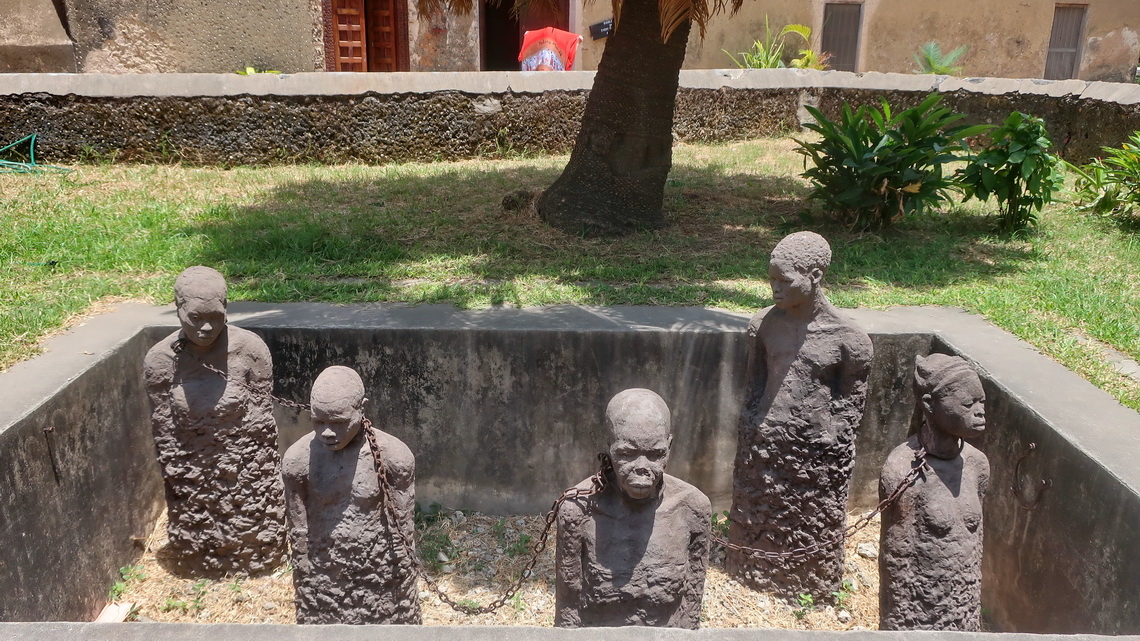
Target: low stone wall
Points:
(338, 117)
(503, 409)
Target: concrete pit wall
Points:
(377, 118)
(503, 409)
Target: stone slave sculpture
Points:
(930, 566)
(350, 561)
(807, 385)
(215, 437)
(635, 553)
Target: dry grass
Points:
(475, 558)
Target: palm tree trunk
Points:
(615, 180)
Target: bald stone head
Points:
(200, 296)
(638, 425)
(337, 406)
(796, 269)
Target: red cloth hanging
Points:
(548, 49)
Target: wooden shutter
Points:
(382, 34)
(840, 38)
(348, 20)
(1064, 57)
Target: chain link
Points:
(598, 483)
(918, 467)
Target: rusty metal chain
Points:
(179, 347)
(918, 467)
(598, 483)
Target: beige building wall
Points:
(1006, 38)
(32, 38)
(125, 36)
(442, 41)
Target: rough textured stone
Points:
(349, 561)
(381, 118)
(216, 441)
(636, 553)
(808, 369)
(931, 563)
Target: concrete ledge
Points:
(503, 409)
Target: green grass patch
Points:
(437, 233)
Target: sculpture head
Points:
(796, 269)
(638, 425)
(337, 406)
(200, 297)
(949, 395)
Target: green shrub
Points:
(930, 59)
(1016, 169)
(769, 52)
(1111, 186)
(873, 167)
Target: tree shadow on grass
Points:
(443, 236)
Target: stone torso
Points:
(644, 566)
(217, 448)
(350, 564)
(930, 564)
(796, 448)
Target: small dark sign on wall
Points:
(602, 29)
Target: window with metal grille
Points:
(840, 39)
(1064, 59)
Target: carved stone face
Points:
(960, 409)
(638, 422)
(336, 421)
(792, 288)
(202, 319)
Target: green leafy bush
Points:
(873, 167)
(930, 59)
(1110, 186)
(769, 52)
(1016, 169)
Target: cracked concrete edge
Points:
(1098, 425)
(498, 82)
(264, 632)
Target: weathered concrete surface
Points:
(32, 38)
(1072, 564)
(74, 432)
(378, 118)
(219, 36)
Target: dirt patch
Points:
(474, 557)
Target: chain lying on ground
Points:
(597, 484)
(918, 467)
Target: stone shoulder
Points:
(680, 493)
(295, 463)
(158, 364)
(397, 455)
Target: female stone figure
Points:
(215, 437)
(930, 566)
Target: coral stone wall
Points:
(376, 118)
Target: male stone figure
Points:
(350, 564)
(215, 437)
(807, 385)
(930, 565)
(636, 553)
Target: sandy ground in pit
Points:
(475, 558)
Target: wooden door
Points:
(540, 15)
(382, 32)
(349, 39)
